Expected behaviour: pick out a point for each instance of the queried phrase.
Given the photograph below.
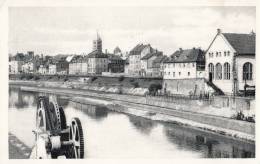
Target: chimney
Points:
(219, 31)
(180, 49)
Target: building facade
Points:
(185, 64)
(230, 61)
(147, 63)
(115, 63)
(135, 55)
(158, 67)
(15, 67)
(97, 62)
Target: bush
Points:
(135, 84)
(121, 78)
(93, 78)
(153, 88)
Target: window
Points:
(247, 71)
(188, 73)
(169, 73)
(173, 65)
(225, 53)
(173, 74)
(183, 64)
(193, 65)
(219, 54)
(228, 53)
(211, 70)
(227, 71)
(216, 54)
(218, 71)
(179, 73)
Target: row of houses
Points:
(228, 63)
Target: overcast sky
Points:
(53, 30)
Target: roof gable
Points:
(184, 56)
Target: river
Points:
(111, 134)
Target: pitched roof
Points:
(185, 56)
(242, 43)
(114, 57)
(160, 59)
(138, 49)
(149, 55)
(97, 54)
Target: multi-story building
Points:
(52, 69)
(43, 69)
(115, 63)
(230, 61)
(62, 64)
(185, 64)
(28, 67)
(135, 56)
(78, 65)
(147, 63)
(97, 62)
(158, 66)
(15, 66)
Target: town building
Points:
(126, 69)
(135, 56)
(147, 63)
(43, 69)
(97, 62)
(157, 66)
(185, 64)
(52, 69)
(28, 67)
(115, 63)
(15, 66)
(230, 61)
(62, 65)
(78, 65)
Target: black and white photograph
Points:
(131, 82)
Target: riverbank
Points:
(138, 106)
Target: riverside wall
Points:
(144, 103)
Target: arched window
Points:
(247, 71)
(227, 71)
(218, 71)
(211, 71)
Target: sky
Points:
(71, 30)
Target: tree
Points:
(153, 88)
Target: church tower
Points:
(97, 44)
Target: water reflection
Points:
(142, 124)
(96, 112)
(211, 145)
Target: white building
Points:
(147, 63)
(43, 70)
(15, 67)
(230, 61)
(135, 56)
(52, 69)
(185, 64)
(28, 67)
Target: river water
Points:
(110, 134)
